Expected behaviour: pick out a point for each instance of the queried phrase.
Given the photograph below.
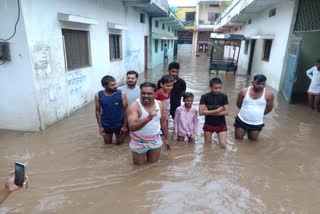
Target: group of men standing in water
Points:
(143, 114)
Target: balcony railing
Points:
(206, 22)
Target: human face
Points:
(188, 102)
(318, 66)
(147, 95)
(216, 88)
(131, 80)
(111, 87)
(166, 86)
(258, 86)
(174, 73)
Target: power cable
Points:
(15, 26)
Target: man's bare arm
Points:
(221, 111)
(241, 96)
(125, 107)
(97, 110)
(270, 102)
(164, 126)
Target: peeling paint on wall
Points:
(132, 60)
(41, 60)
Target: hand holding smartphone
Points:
(20, 173)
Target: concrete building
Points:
(53, 62)
(163, 32)
(282, 41)
(207, 13)
(187, 37)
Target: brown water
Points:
(72, 171)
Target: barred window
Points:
(77, 48)
(266, 49)
(156, 46)
(115, 46)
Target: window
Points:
(115, 46)
(212, 17)
(190, 16)
(249, 22)
(246, 47)
(156, 46)
(162, 45)
(272, 12)
(266, 49)
(77, 48)
(142, 18)
(156, 24)
(213, 5)
(162, 26)
(168, 28)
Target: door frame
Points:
(252, 47)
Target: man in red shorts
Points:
(214, 105)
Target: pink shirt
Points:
(186, 122)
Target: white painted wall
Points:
(18, 104)
(157, 58)
(279, 27)
(58, 92)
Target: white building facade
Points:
(268, 27)
(60, 52)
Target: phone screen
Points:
(19, 174)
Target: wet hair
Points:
(106, 79)
(133, 72)
(165, 44)
(188, 95)
(260, 78)
(148, 84)
(215, 80)
(165, 79)
(318, 61)
(174, 65)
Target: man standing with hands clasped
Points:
(254, 102)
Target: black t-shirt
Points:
(214, 101)
(179, 87)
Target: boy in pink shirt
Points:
(186, 119)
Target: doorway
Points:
(253, 44)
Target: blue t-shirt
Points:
(112, 116)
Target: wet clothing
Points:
(112, 131)
(132, 93)
(143, 144)
(217, 129)
(165, 52)
(165, 100)
(186, 122)
(179, 87)
(112, 116)
(238, 123)
(252, 110)
(214, 101)
(314, 75)
(148, 137)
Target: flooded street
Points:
(72, 171)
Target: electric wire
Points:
(15, 26)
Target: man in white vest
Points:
(254, 102)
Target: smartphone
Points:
(20, 173)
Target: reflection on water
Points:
(72, 171)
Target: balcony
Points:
(241, 10)
(154, 8)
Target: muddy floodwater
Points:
(72, 171)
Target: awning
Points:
(116, 26)
(77, 19)
(226, 36)
(163, 36)
(267, 36)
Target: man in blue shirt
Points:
(111, 105)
